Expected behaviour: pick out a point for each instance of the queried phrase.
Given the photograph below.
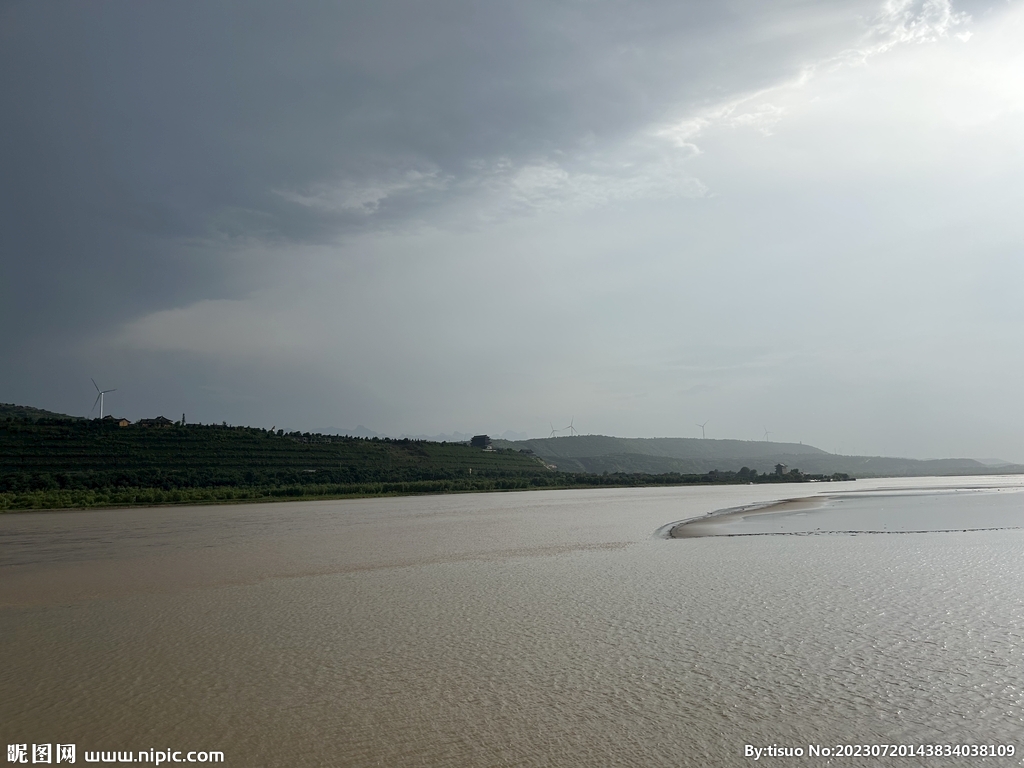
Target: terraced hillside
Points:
(59, 463)
(73, 454)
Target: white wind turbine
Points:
(571, 428)
(702, 429)
(99, 397)
(766, 433)
(553, 431)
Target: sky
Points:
(799, 218)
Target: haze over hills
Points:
(657, 455)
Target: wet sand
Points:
(711, 523)
(894, 510)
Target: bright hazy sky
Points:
(804, 217)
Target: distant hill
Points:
(10, 410)
(658, 455)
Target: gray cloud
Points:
(188, 120)
(142, 143)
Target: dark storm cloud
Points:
(140, 142)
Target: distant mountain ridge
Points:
(659, 455)
(669, 447)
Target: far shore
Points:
(323, 497)
(43, 501)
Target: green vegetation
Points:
(52, 463)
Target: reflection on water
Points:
(892, 511)
(534, 629)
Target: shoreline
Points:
(669, 530)
(197, 502)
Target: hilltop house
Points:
(159, 421)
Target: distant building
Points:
(480, 441)
(780, 469)
(112, 419)
(159, 421)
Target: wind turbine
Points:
(99, 397)
(766, 433)
(553, 431)
(571, 428)
(702, 429)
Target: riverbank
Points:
(115, 497)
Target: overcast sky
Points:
(803, 217)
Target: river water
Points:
(557, 628)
